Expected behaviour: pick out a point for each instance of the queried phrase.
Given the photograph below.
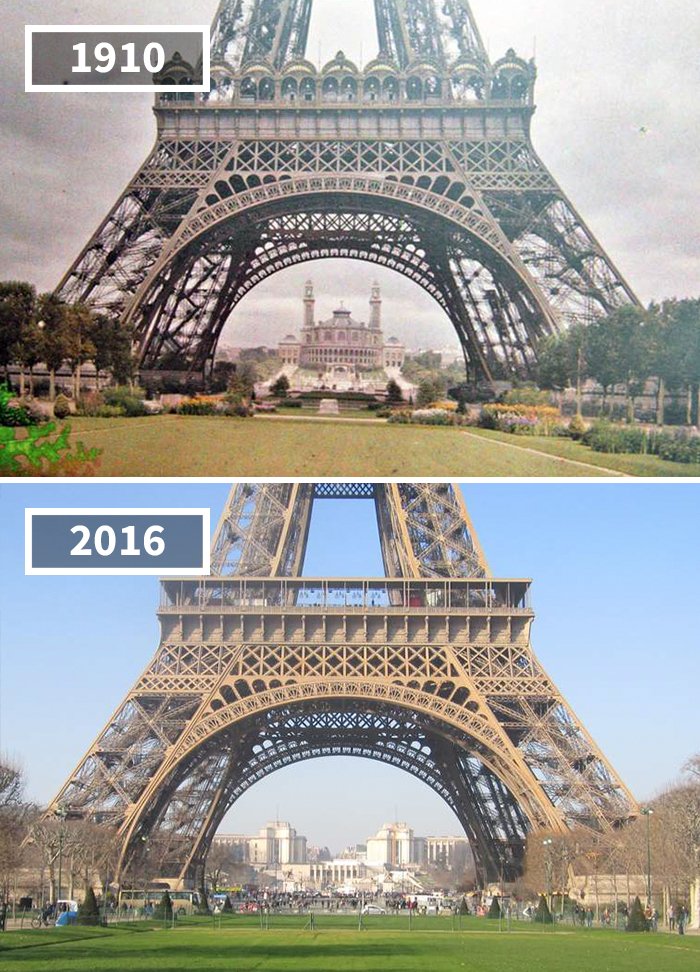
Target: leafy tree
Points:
(29, 351)
(242, 384)
(79, 345)
(678, 349)
(53, 317)
(88, 910)
(561, 362)
(112, 343)
(394, 395)
(17, 307)
(280, 388)
(428, 392)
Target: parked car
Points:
(373, 909)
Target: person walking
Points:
(671, 918)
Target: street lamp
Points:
(61, 813)
(547, 844)
(647, 812)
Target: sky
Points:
(615, 595)
(618, 124)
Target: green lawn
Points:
(174, 445)
(385, 945)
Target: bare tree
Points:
(15, 816)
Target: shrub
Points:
(90, 404)
(577, 428)
(432, 416)
(280, 388)
(110, 411)
(61, 407)
(293, 403)
(88, 911)
(164, 909)
(543, 915)
(394, 395)
(520, 419)
(196, 406)
(14, 416)
(400, 418)
(527, 395)
(495, 909)
(637, 922)
(128, 399)
(227, 906)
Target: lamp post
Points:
(647, 812)
(547, 844)
(61, 813)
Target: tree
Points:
(561, 362)
(394, 395)
(637, 921)
(543, 915)
(53, 318)
(29, 351)
(495, 909)
(15, 817)
(280, 388)
(242, 384)
(79, 345)
(429, 391)
(17, 307)
(164, 910)
(112, 343)
(88, 911)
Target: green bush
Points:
(292, 403)
(227, 906)
(527, 395)
(88, 911)
(543, 915)
(164, 909)
(280, 388)
(110, 411)
(61, 407)
(636, 921)
(90, 404)
(128, 399)
(495, 909)
(14, 416)
(577, 428)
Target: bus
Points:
(184, 902)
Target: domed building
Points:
(341, 341)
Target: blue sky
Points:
(615, 593)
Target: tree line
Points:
(673, 851)
(628, 349)
(43, 329)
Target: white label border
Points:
(78, 511)
(154, 89)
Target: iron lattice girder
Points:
(430, 122)
(430, 668)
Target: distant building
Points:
(448, 853)
(341, 341)
(395, 846)
(276, 843)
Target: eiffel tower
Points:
(421, 161)
(429, 669)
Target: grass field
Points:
(385, 945)
(173, 445)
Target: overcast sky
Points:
(606, 71)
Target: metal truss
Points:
(429, 668)
(422, 162)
